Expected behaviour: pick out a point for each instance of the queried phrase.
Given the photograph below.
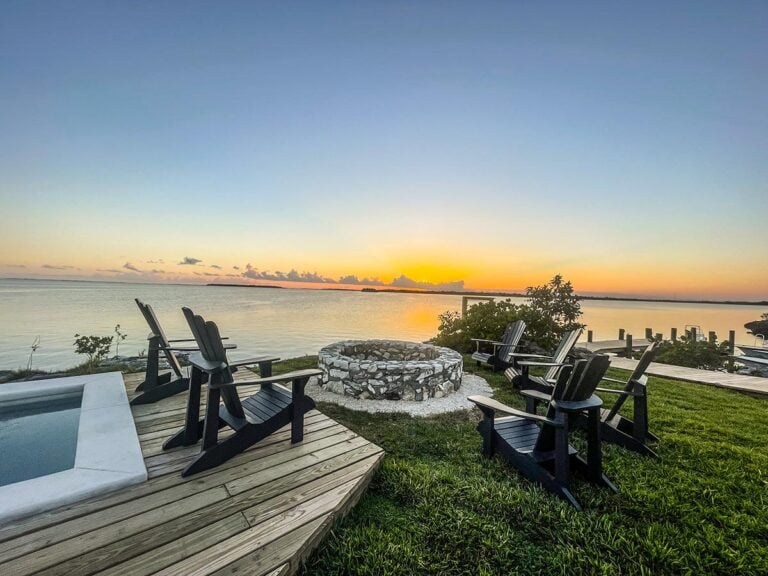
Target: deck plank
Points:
(260, 513)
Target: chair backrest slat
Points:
(584, 387)
(576, 384)
(511, 339)
(156, 329)
(645, 360)
(208, 339)
(637, 375)
(567, 342)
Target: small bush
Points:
(692, 354)
(553, 309)
(95, 347)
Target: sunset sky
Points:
(480, 145)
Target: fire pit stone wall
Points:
(390, 369)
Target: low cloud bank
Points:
(401, 281)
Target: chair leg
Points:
(640, 431)
(162, 391)
(297, 410)
(594, 449)
(193, 426)
(562, 457)
(621, 438)
(211, 427)
(151, 378)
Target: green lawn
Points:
(436, 506)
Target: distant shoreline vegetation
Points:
(508, 294)
(499, 294)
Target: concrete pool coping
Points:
(108, 453)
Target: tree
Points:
(95, 347)
(553, 308)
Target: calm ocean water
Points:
(284, 322)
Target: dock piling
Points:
(731, 348)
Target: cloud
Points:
(215, 266)
(235, 267)
(54, 267)
(292, 276)
(155, 271)
(352, 279)
(111, 270)
(404, 282)
(313, 277)
(189, 261)
(158, 261)
(131, 267)
(14, 266)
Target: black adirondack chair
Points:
(615, 428)
(519, 374)
(157, 386)
(499, 358)
(538, 445)
(252, 419)
(631, 434)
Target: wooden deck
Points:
(261, 513)
(739, 382)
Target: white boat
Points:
(755, 351)
(700, 335)
(752, 361)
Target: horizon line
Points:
(372, 289)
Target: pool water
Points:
(38, 437)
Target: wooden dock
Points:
(260, 513)
(612, 345)
(751, 384)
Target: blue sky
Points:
(622, 144)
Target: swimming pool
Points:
(64, 440)
(46, 428)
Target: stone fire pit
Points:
(390, 369)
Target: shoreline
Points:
(496, 293)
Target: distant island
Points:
(507, 294)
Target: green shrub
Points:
(552, 309)
(95, 347)
(692, 354)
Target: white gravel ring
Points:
(471, 384)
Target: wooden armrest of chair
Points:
(193, 348)
(287, 377)
(491, 405)
(204, 365)
(180, 348)
(536, 395)
(477, 342)
(530, 363)
(524, 355)
(577, 406)
(612, 391)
